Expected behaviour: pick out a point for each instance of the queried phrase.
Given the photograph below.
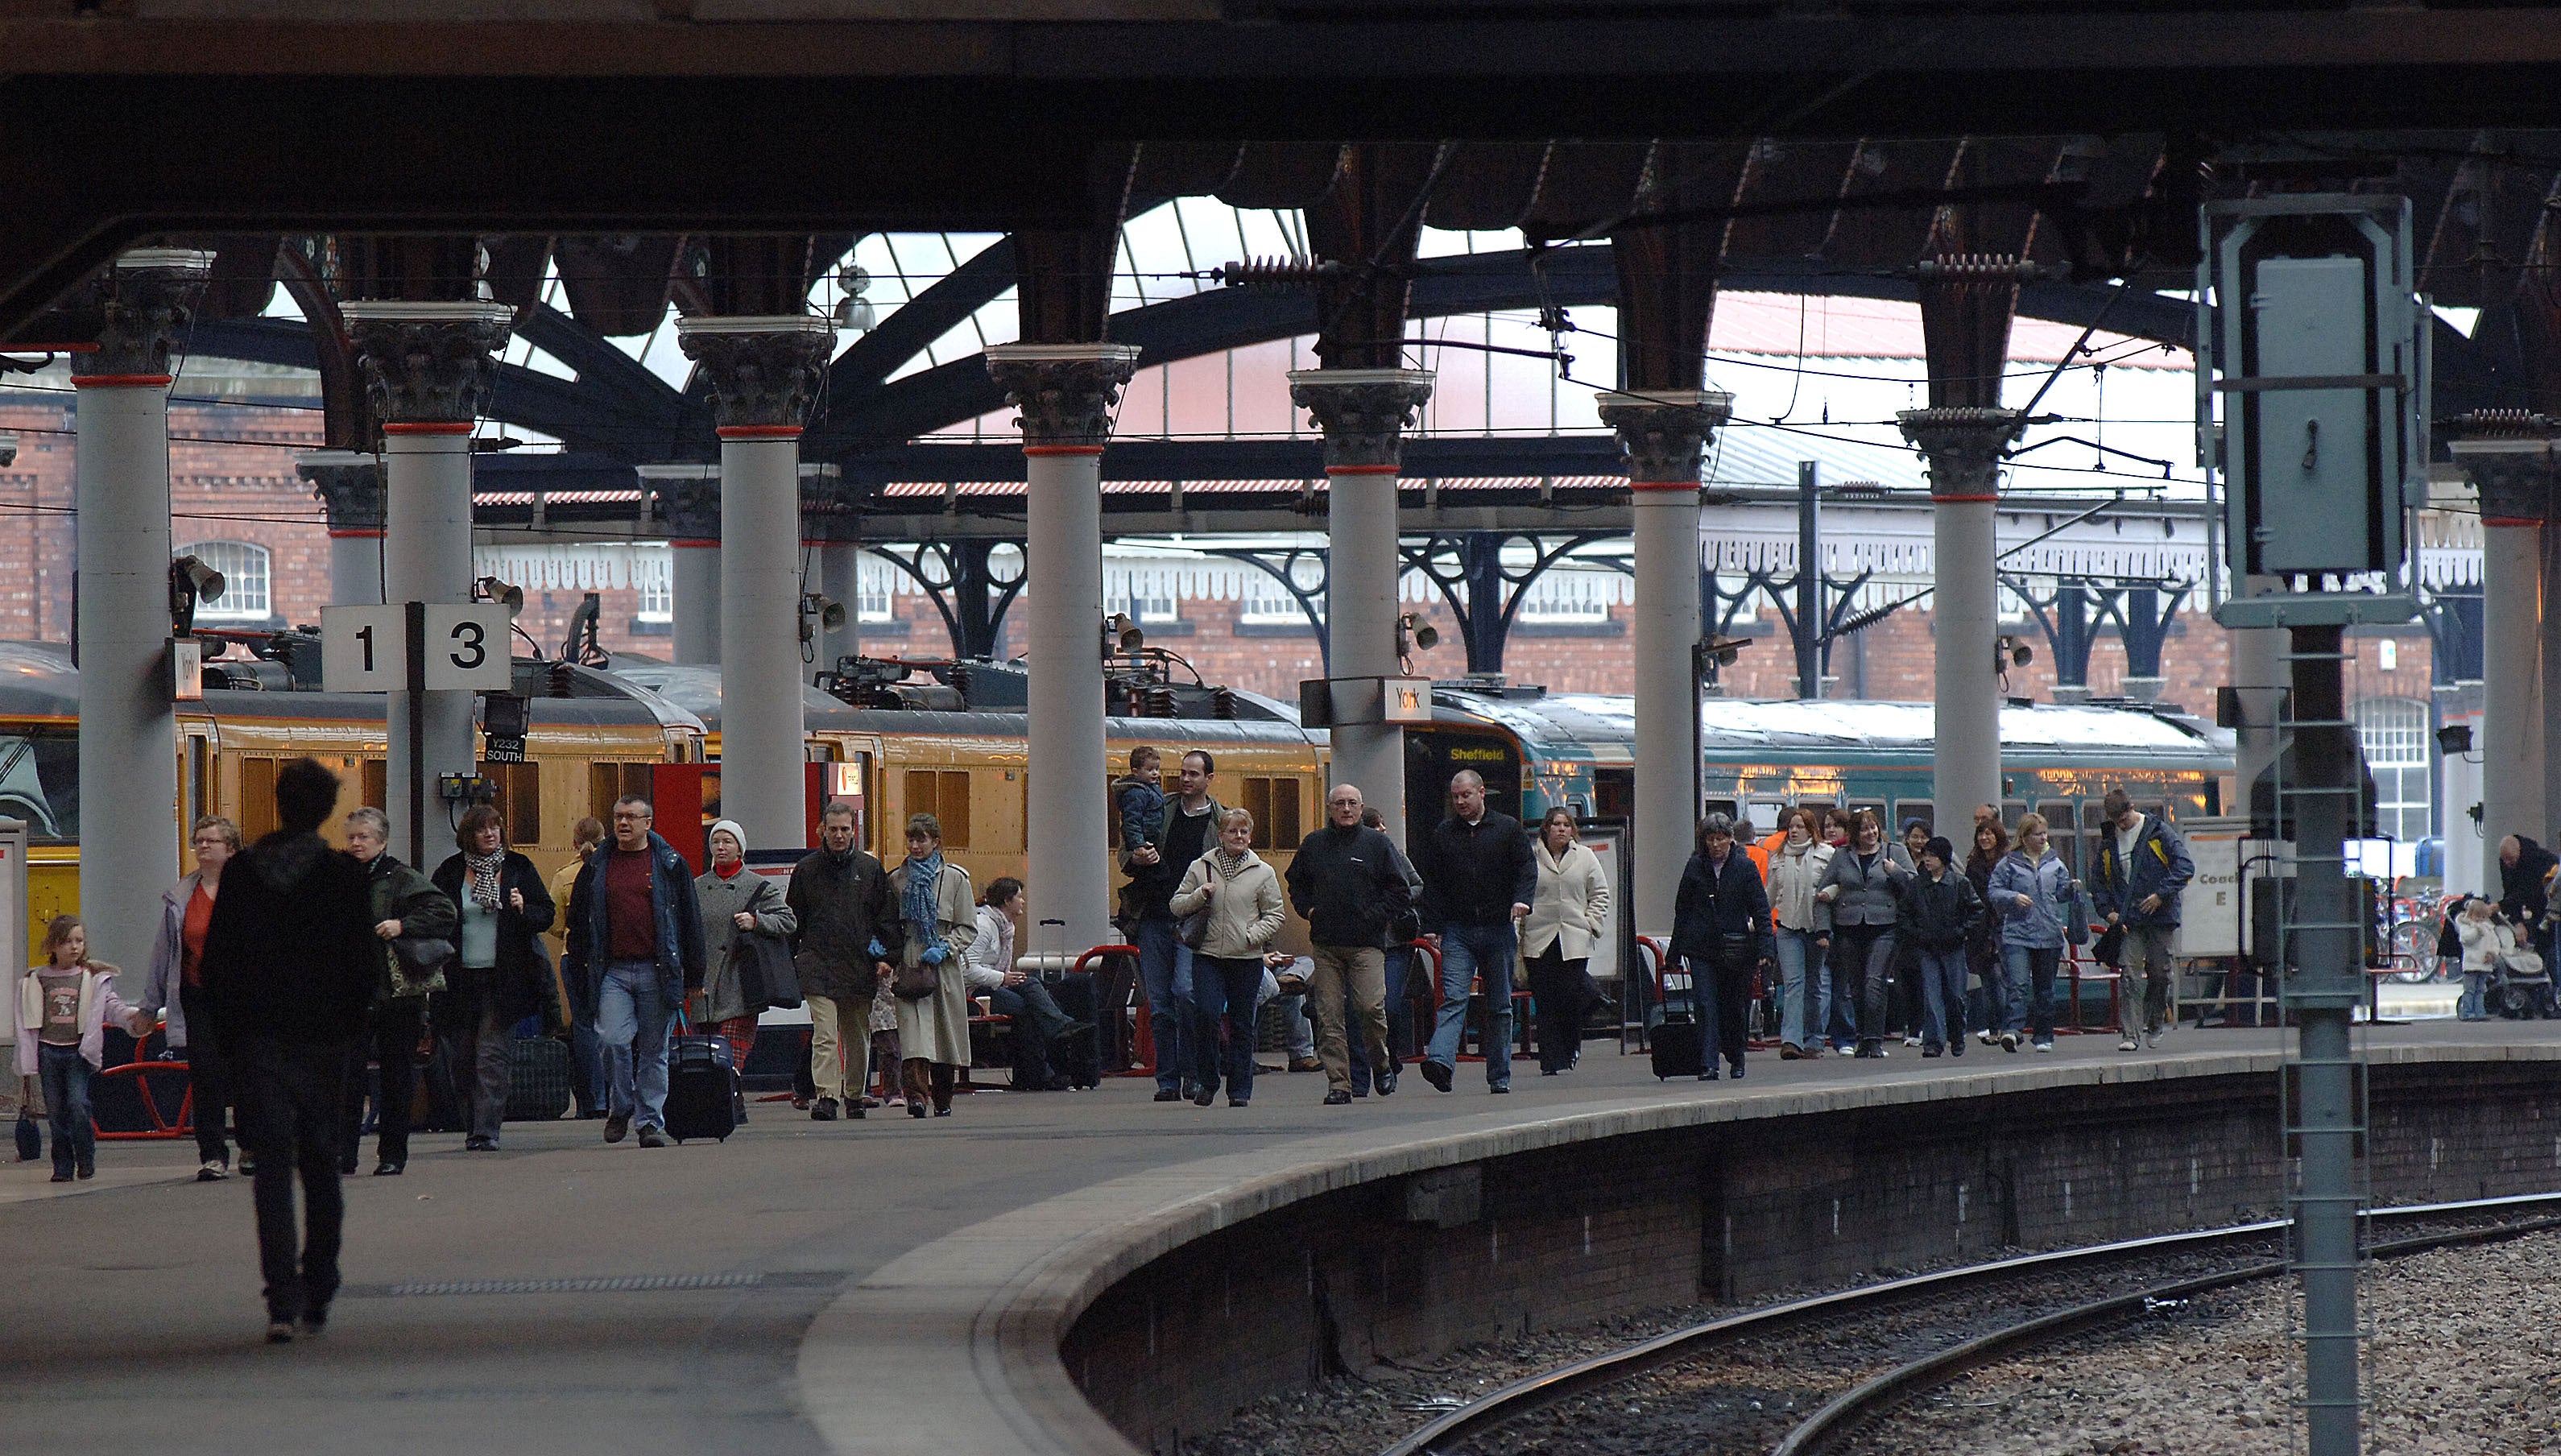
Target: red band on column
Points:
(2509, 521)
(1660, 485)
(693, 544)
(356, 535)
(1062, 449)
(1963, 500)
(438, 427)
(1364, 470)
(759, 431)
(119, 381)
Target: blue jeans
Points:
(1400, 1021)
(1466, 949)
(1165, 967)
(64, 1074)
(1219, 987)
(1943, 996)
(631, 1019)
(2474, 1003)
(1801, 1004)
(2027, 990)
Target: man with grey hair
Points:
(1348, 882)
(1478, 879)
(846, 934)
(407, 912)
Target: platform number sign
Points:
(365, 649)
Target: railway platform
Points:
(901, 1286)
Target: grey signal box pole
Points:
(2312, 398)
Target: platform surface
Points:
(490, 1303)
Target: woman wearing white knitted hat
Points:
(735, 903)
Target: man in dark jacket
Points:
(2523, 866)
(2142, 867)
(289, 967)
(1721, 933)
(848, 932)
(635, 934)
(1940, 915)
(406, 906)
(1478, 879)
(1348, 882)
(1187, 829)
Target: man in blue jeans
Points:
(1478, 879)
(1156, 868)
(635, 934)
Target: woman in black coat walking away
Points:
(500, 975)
(1721, 932)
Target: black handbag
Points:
(30, 1139)
(422, 952)
(767, 978)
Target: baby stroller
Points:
(2521, 986)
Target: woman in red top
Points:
(174, 987)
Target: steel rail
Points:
(1533, 1392)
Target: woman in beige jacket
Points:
(1565, 919)
(1245, 910)
(939, 917)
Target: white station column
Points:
(1364, 413)
(1067, 393)
(128, 732)
(1664, 434)
(1962, 444)
(688, 498)
(350, 486)
(427, 369)
(764, 371)
(2511, 463)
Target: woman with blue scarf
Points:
(939, 917)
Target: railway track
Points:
(1881, 1359)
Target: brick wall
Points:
(1730, 1212)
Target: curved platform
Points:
(903, 1286)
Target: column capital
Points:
(427, 363)
(1665, 432)
(2507, 455)
(1065, 392)
(763, 369)
(149, 297)
(687, 496)
(350, 486)
(1364, 412)
(1962, 444)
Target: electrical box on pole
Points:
(2312, 400)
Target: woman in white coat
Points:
(940, 919)
(1243, 897)
(1566, 919)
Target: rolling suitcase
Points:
(1676, 1044)
(702, 1090)
(537, 1079)
(1078, 1059)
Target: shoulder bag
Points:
(2078, 912)
(1193, 928)
(916, 982)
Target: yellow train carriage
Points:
(581, 751)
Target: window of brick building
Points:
(245, 596)
(2394, 732)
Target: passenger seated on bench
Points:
(988, 964)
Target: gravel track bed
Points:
(2465, 1359)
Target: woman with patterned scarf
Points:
(500, 974)
(942, 920)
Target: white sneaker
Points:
(2152, 1040)
(2127, 1045)
(214, 1170)
(1984, 1037)
(1911, 1041)
(2044, 1046)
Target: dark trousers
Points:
(1723, 1008)
(208, 1080)
(391, 1043)
(1563, 992)
(1867, 961)
(1037, 1021)
(292, 1104)
(1222, 993)
(63, 1074)
(484, 1052)
(922, 1079)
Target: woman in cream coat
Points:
(1243, 896)
(939, 925)
(1565, 919)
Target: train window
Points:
(1906, 810)
(1726, 807)
(519, 800)
(1877, 808)
(2063, 831)
(376, 775)
(944, 794)
(1273, 803)
(39, 782)
(1764, 815)
(1614, 793)
(256, 800)
(608, 781)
